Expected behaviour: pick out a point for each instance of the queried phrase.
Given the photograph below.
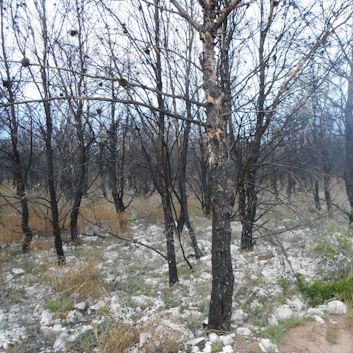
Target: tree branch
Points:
(183, 13)
(106, 99)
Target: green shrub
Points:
(277, 332)
(319, 291)
(61, 304)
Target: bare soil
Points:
(335, 336)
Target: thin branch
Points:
(183, 13)
(106, 99)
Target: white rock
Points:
(2, 320)
(318, 319)
(227, 340)
(214, 338)
(267, 346)
(58, 329)
(60, 342)
(239, 316)
(295, 304)
(227, 349)
(208, 348)
(144, 336)
(284, 312)
(315, 312)
(18, 271)
(73, 316)
(37, 310)
(261, 293)
(80, 306)
(243, 331)
(99, 305)
(46, 318)
(196, 341)
(336, 307)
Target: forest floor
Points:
(113, 296)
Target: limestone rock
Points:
(266, 346)
(336, 307)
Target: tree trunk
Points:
(327, 190)
(18, 177)
(164, 159)
(349, 142)
(316, 195)
(81, 178)
(222, 271)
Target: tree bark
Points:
(348, 114)
(222, 271)
(18, 177)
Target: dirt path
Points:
(335, 336)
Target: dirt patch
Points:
(242, 345)
(335, 336)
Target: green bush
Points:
(63, 303)
(321, 291)
(277, 332)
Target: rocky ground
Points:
(113, 296)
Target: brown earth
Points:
(335, 336)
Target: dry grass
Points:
(102, 213)
(118, 339)
(79, 281)
(147, 208)
(94, 212)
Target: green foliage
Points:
(60, 304)
(184, 271)
(86, 341)
(134, 285)
(168, 298)
(216, 347)
(276, 333)
(336, 255)
(285, 284)
(321, 291)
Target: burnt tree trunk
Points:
(18, 177)
(222, 270)
(48, 142)
(316, 195)
(164, 158)
(348, 115)
(184, 218)
(117, 193)
(81, 174)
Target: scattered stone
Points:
(18, 271)
(60, 342)
(46, 318)
(296, 304)
(267, 346)
(315, 311)
(227, 340)
(284, 312)
(99, 305)
(227, 349)
(243, 331)
(80, 306)
(214, 338)
(319, 319)
(239, 316)
(199, 342)
(336, 307)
